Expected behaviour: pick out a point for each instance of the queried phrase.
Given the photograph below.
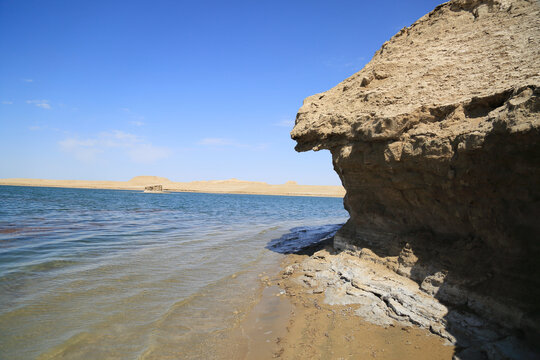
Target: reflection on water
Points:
(122, 274)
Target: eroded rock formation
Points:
(437, 142)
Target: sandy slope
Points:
(232, 186)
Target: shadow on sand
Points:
(476, 335)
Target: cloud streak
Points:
(130, 145)
(288, 123)
(44, 104)
(136, 119)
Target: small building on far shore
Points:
(154, 189)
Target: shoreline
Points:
(303, 326)
(232, 186)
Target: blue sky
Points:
(189, 90)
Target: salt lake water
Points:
(111, 274)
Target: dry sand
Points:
(231, 186)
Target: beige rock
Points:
(437, 143)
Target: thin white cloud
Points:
(136, 119)
(118, 138)
(288, 123)
(147, 153)
(44, 104)
(134, 147)
(5, 102)
(28, 80)
(71, 143)
(83, 150)
(43, 127)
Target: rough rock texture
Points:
(437, 142)
(385, 298)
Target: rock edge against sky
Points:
(436, 141)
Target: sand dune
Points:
(231, 186)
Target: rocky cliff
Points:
(437, 143)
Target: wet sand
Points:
(231, 186)
(290, 323)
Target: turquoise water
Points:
(95, 274)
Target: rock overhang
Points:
(437, 143)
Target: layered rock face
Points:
(437, 142)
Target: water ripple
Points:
(118, 274)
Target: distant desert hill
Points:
(146, 180)
(230, 186)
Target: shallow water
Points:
(122, 274)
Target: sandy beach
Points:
(292, 322)
(317, 330)
(231, 186)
